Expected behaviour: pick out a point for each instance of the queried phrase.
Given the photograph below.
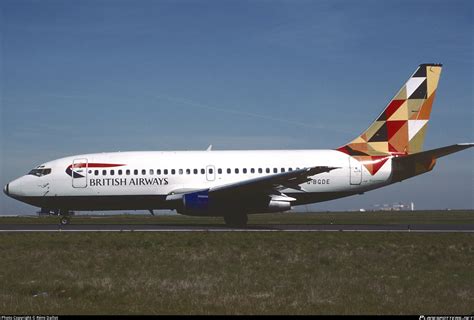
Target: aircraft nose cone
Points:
(5, 189)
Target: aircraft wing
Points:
(290, 179)
(269, 184)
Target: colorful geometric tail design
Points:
(401, 128)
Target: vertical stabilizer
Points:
(401, 127)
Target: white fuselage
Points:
(142, 180)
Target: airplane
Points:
(233, 184)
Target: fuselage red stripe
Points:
(95, 165)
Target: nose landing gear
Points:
(64, 220)
(64, 217)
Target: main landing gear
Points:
(236, 220)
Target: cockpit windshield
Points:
(39, 172)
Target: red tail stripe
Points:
(95, 165)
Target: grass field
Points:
(402, 217)
(236, 273)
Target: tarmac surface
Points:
(422, 228)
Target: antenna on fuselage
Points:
(209, 148)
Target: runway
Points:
(420, 228)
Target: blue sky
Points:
(93, 76)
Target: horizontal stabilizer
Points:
(414, 164)
(441, 152)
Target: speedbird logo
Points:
(75, 174)
(75, 171)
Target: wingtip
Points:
(469, 144)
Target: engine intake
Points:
(196, 202)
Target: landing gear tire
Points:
(64, 217)
(64, 220)
(236, 220)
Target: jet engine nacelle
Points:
(278, 206)
(196, 203)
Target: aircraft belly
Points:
(105, 202)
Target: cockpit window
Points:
(40, 172)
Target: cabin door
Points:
(79, 173)
(355, 171)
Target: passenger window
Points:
(229, 171)
(275, 170)
(180, 171)
(96, 172)
(120, 172)
(143, 172)
(195, 171)
(282, 169)
(290, 169)
(104, 172)
(127, 172)
(267, 170)
(211, 171)
(173, 171)
(165, 172)
(252, 170)
(112, 172)
(135, 172)
(236, 170)
(203, 171)
(219, 171)
(260, 170)
(188, 171)
(244, 170)
(158, 171)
